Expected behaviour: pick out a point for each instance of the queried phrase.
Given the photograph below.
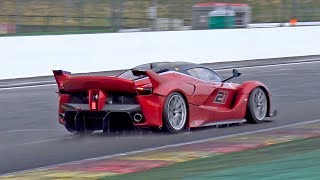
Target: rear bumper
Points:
(107, 108)
(149, 106)
(79, 117)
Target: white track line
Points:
(35, 142)
(28, 82)
(44, 141)
(311, 100)
(27, 130)
(161, 147)
(309, 61)
(24, 87)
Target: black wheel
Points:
(257, 106)
(175, 113)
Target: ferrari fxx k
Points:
(172, 96)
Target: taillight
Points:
(144, 90)
(94, 105)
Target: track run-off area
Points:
(31, 137)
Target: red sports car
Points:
(168, 95)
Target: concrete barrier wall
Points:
(37, 55)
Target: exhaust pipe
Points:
(61, 115)
(137, 117)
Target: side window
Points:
(204, 74)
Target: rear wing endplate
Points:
(61, 76)
(154, 78)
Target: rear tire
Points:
(175, 113)
(257, 106)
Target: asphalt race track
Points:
(31, 137)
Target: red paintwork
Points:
(104, 83)
(63, 98)
(200, 95)
(151, 106)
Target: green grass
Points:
(292, 160)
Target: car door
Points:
(211, 95)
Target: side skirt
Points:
(225, 122)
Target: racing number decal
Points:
(221, 97)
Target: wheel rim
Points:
(260, 105)
(176, 112)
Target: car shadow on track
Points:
(157, 132)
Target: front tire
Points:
(257, 106)
(175, 113)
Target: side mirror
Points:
(236, 73)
